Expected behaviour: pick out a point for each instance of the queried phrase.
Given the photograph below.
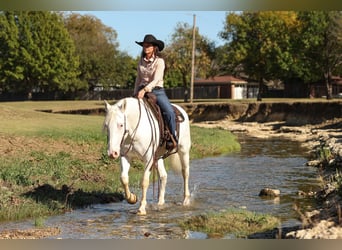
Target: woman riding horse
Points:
(150, 79)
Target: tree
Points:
(9, 51)
(39, 52)
(258, 44)
(178, 56)
(321, 42)
(125, 70)
(100, 61)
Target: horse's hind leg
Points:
(163, 179)
(185, 161)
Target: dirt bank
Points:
(318, 126)
(293, 113)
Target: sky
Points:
(132, 26)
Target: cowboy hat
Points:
(151, 39)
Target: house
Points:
(223, 87)
(319, 89)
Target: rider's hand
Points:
(141, 93)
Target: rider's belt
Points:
(157, 88)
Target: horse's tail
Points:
(180, 160)
(175, 163)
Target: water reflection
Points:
(275, 147)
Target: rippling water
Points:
(231, 181)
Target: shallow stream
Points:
(216, 184)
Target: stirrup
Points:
(171, 143)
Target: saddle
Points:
(165, 134)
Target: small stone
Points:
(269, 192)
(313, 163)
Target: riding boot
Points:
(172, 143)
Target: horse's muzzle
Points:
(113, 154)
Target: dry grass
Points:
(24, 119)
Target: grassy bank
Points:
(237, 223)
(51, 163)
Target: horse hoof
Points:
(141, 212)
(186, 202)
(132, 199)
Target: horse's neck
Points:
(136, 112)
(131, 111)
(140, 117)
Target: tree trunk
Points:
(328, 86)
(259, 98)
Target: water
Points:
(216, 184)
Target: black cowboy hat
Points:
(151, 39)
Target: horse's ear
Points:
(122, 105)
(107, 105)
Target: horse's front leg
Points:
(144, 185)
(163, 179)
(125, 165)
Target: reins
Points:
(153, 134)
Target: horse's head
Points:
(115, 125)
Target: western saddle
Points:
(166, 138)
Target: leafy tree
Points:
(9, 51)
(100, 61)
(125, 70)
(39, 52)
(258, 44)
(179, 56)
(321, 42)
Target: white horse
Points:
(133, 131)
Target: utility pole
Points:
(193, 60)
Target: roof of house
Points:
(337, 80)
(221, 79)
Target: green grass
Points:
(239, 223)
(212, 142)
(41, 184)
(39, 222)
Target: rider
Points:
(150, 76)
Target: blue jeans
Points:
(167, 110)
